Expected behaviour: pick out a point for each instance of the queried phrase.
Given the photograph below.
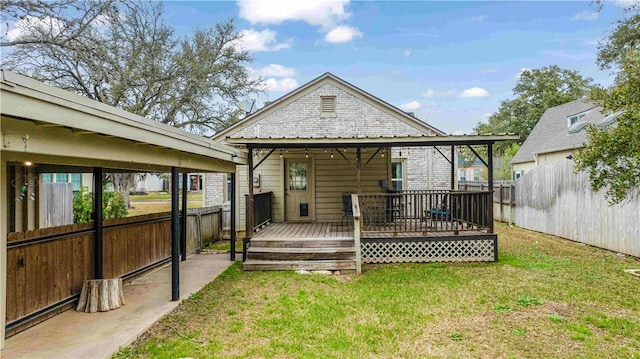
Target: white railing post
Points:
(357, 223)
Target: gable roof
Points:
(315, 84)
(551, 134)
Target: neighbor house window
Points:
(573, 119)
(61, 177)
(228, 185)
(327, 105)
(47, 178)
(462, 176)
(476, 175)
(397, 175)
(76, 181)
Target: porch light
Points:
(28, 163)
(345, 150)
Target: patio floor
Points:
(99, 335)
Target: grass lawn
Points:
(545, 298)
(164, 196)
(156, 202)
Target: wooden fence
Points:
(46, 267)
(504, 197)
(554, 200)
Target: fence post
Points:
(501, 201)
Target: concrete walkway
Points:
(99, 335)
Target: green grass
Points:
(545, 298)
(164, 196)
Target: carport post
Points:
(233, 216)
(490, 178)
(97, 221)
(175, 236)
(183, 228)
(453, 167)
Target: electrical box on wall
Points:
(256, 181)
(384, 183)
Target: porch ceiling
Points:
(409, 141)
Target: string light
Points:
(383, 153)
(280, 153)
(306, 153)
(331, 153)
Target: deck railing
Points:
(262, 209)
(426, 211)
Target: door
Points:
(298, 192)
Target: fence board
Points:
(552, 199)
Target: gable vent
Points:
(327, 105)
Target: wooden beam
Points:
(478, 156)
(490, 175)
(175, 236)
(346, 159)
(183, 223)
(264, 159)
(248, 207)
(372, 156)
(233, 216)
(97, 222)
(359, 170)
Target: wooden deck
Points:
(306, 230)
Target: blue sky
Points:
(449, 62)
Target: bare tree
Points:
(124, 54)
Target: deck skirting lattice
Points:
(466, 250)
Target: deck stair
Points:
(330, 253)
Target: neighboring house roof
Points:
(552, 133)
(275, 119)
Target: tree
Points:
(124, 54)
(129, 57)
(535, 91)
(612, 156)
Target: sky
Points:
(449, 62)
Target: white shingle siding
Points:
(214, 188)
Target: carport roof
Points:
(60, 124)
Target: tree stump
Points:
(101, 295)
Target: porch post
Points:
(490, 178)
(175, 236)
(183, 224)
(249, 207)
(97, 222)
(233, 216)
(453, 167)
(359, 170)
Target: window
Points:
(76, 181)
(297, 176)
(47, 178)
(462, 175)
(573, 119)
(397, 176)
(517, 174)
(327, 105)
(476, 175)
(228, 185)
(61, 177)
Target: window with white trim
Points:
(397, 175)
(575, 118)
(462, 175)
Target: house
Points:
(310, 150)
(469, 171)
(560, 132)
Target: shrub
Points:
(113, 205)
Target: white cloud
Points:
(431, 93)
(474, 92)
(625, 4)
(322, 13)
(411, 106)
(30, 24)
(265, 40)
(407, 53)
(479, 18)
(586, 15)
(283, 85)
(341, 34)
(275, 70)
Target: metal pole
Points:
(359, 169)
(175, 236)
(183, 224)
(233, 216)
(97, 222)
